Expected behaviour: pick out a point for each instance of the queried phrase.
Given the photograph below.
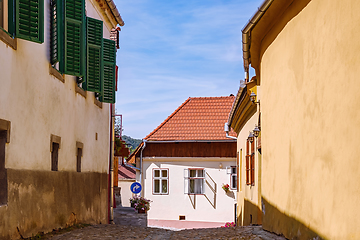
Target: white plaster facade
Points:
(211, 210)
(126, 193)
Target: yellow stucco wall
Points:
(311, 121)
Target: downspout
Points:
(246, 37)
(141, 160)
(111, 165)
(226, 129)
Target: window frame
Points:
(79, 154)
(194, 178)
(5, 127)
(160, 178)
(2, 14)
(233, 174)
(250, 163)
(55, 141)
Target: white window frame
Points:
(188, 179)
(161, 179)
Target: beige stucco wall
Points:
(37, 104)
(169, 207)
(310, 121)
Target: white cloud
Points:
(172, 50)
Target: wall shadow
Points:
(252, 214)
(273, 220)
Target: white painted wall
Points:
(169, 207)
(125, 191)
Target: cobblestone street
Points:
(130, 225)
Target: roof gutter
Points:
(246, 37)
(115, 12)
(131, 166)
(226, 129)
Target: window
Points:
(250, 163)
(67, 35)
(54, 156)
(4, 139)
(160, 181)
(3, 175)
(108, 86)
(94, 45)
(195, 181)
(26, 19)
(238, 164)
(233, 177)
(79, 151)
(54, 149)
(78, 48)
(2, 13)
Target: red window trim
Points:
(250, 163)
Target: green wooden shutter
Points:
(94, 42)
(56, 31)
(26, 19)
(109, 56)
(74, 38)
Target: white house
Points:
(57, 84)
(184, 163)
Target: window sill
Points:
(7, 39)
(80, 91)
(56, 73)
(98, 103)
(6, 126)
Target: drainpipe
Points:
(246, 37)
(141, 160)
(226, 129)
(111, 165)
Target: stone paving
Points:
(130, 225)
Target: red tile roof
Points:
(200, 118)
(126, 172)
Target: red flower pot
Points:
(141, 211)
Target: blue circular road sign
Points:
(135, 187)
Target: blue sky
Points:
(174, 49)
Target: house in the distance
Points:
(126, 177)
(185, 161)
